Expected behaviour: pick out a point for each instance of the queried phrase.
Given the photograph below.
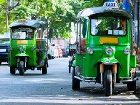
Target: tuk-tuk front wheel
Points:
(21, 67)
(108, 82)
(75, 81)
(44, 68)
(21, 72)
(12, 70)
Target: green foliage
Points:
(20, 13)
(57, 13)
(3, 22)
(93, 3)
(3, 5)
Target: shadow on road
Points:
(119, 89)
(29, 74)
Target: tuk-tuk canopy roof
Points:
(27, 23)
(100, 10)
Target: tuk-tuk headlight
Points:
(89, 50)
(127, 50)
(109, 51)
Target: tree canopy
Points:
(58, 14)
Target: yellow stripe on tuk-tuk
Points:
(108, 40)
(22, 41)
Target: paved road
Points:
(55, 89)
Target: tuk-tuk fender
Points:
(110, 60)
(22, 55)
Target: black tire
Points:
(21, 72)
(12, 70)
(70, 65)
(131, 86)
(44, 68)
(75, 81)
(69, 69)
(21, 68)
(108, 82)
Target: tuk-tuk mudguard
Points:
(110, 60)
(22, 55)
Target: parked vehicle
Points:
(4, 49)
(50, 55)
(72, 51)
(105, 51)
(27, 47)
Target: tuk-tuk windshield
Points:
(108, 26)
(22, 33)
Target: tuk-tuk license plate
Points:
(2, 50)
(108, 40)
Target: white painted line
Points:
(66, 101)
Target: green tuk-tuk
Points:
(27, 47)
(105, 51)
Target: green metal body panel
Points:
(133, 61)
(30, 52)
(34, 54)
(88, 62)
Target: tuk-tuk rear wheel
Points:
(108, 82)
(12, 70)
(75, 81)
(131, 86)
(69, 69)
(44, 68)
